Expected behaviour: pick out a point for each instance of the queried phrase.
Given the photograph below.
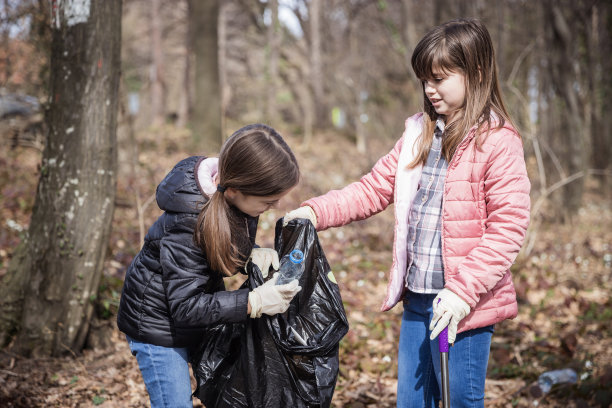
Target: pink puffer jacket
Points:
(485, 214)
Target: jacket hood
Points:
(180, 191)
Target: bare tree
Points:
(206, 115)
(598, 20)
(316, 62)
(158, 85)
(274, 37)
(572, 140)
(46, 296)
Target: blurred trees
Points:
(24, 45)
(574, 54)
(340, 64)
(46, 297)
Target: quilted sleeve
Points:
(191, 287)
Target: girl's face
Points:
(253, 205)
(446, 92)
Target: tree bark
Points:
(225, 89)
(186, 101)
(599, 65)
(158, 86)
(206, 119)
(274, 33)
(57, 268)
(564, 81)
(317, 63)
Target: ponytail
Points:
(213, 234)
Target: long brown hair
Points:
(461, 46)
(256, 161)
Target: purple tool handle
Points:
(443, 341)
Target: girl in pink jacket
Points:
(458, 180)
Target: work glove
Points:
(302, 212)
(272, 299)
(264, 258)
(448, 310)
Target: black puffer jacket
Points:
(170, 293)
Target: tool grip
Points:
(443, 341)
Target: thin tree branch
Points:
(532, 233)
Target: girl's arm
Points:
(361, 199)
(192, 289)
(506, 190)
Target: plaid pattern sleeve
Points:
(424, 244)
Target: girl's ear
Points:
(230, 193)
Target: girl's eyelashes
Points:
(436, 80)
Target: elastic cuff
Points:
(313, 215)
(255, 302)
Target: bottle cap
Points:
(296, 256)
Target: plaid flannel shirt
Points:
(424, 245)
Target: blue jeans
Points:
(418, 378)
(165, 372)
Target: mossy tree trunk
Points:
(46, 296)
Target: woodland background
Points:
(85, 143)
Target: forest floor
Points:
(563, 281)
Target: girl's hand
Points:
(448, 310)
(270, 298)
(264, 258)
(302, 212)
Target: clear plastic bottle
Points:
(550, 378)
(291, 267)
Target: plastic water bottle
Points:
(550, 378)
(291, 268)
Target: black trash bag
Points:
(287, 360)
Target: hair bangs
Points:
(432, 60)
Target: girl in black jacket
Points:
(174, 286)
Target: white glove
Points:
(448, 310)
(302, 212)
(272, 299)
(263, 258)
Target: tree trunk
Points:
(158, 87)
(600, 86)
(274, 32)
(317, 63)
(57, 268)
(186, 101)
(409, 35)
(206, 119)
(564, 79)
(225, 89)
(6, 29)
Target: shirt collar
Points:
(440, 124)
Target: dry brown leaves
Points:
(563, 287)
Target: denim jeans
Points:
(165, 372)
(419, 380)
